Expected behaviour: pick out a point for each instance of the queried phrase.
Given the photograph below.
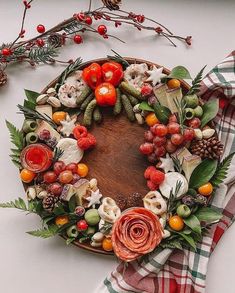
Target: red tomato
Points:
(112, 72)
(92, 75)
(105, 94)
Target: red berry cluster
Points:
(26, 4)
(154, 177)
(85, 140)
(166, 138)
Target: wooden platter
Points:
(116, 162)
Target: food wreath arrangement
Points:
(95, 118)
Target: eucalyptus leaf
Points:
(162, 113)
(72, 203)
(31, 95)
(203, 173)
(189, 239)
(180, 72)
(208, 215)
(210, 110)
(193, 223)
(145, 107)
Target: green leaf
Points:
(221, 171)
(196, 83)
(203, 173)
(44, 232)
(17, 204)
(29, 104)
(72, 204)
(180, 72)
(162, 113)
(193, 223)
(175, 243)
(210, 110)
(59, 210)
(118, 58)
(208, 215)
(70, 240)
(31, 96)
(16, 135)
(189, 239)
(145, 107)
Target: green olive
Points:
(189, 113)
(31, 137)
(29, 125)
(191, 101)
(183, 211)
(72, 232)
(198, 112)
(92, 217)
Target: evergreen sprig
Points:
(20, 204)
(43, 54)
(48, 232)
(57, 154)
(196, 83)
(118, 58)
(72, 27)
(181, 106)
(221, 171)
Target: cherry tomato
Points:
(66, 177)
(107, 244)
(27, 175)
(72, 167)
(151, 119)
(105, 94)
(159, 141)
(79, 131)
(112, 72)
(55, 189)
(189, 134)
(176, 223)
(82, 225)
(49, 177)
(194, 123)
(177, 139)
(206, 189)
(146, 148)
(82, 170)
(160, 130)
(173, 128)
(58, 167)
(92, 75)
(61, 220)
(59, 116)
(173, 83)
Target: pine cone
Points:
(210, 148)
(200, 199)
(49, 202)
(3, 78)
(134, 200)
(56, 40)
(112, 4)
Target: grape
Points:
(172, 118)
(170, 147)
(49, 177)
(159, 141)
(66, 177)
(177, 139)
(72, 167)
(189, 134)
(58, 167)
(160, 130)
(148, 136)
(173, 128)
(152, 158)
(160, 151)
(146, 148)
(55, 189)
(194, 123)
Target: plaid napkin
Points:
(176, 271)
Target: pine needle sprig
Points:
(43, 54)
(173, 196)
(34, 114)
(177, 164)
(222, 171)
(196, 83)
(181, 106)
(118, 58)
(72, 27)
(48, 232)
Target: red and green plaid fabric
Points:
(175, 271)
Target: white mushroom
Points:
(108, 210)
(154, 202)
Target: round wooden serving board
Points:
(116, 161)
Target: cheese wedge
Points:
(189, 164)
(171, 95)
(44, 125)
(44, 109)
(160, 93)
(181, 154)
(170, 182)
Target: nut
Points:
(207, 133)
(166, 234)
(42, 194)
(95, 244)
(139, 118)
(136, 108)
(93, 184)
(97, 237)
(198, 133)
(31, 193)
(54, 102)
(51, 92)
(42, 99)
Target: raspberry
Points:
(146, 148)
(157, 177)
(148, 172)
(146, 90)
(87, 142)
(79, 131)
(152, 186)
(45, 134)
(92, 140)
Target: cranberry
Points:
(77, 39)
(88, 20)
(102, 29)
(41, 28)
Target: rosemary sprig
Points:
(196, 83)
(180, 105)
(106, 228)
(34, 114)
(118, 58)
(177, 164)
(57, 154)
(173, 196)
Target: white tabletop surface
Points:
(29, 264)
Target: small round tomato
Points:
(58, 167)
(82, 225)
(27, 175)
(66, 177)
(59, 116)
(82, 170)
(107, 244)
(206, 189)
(173, 83)
(105, 94)
(151, 119)
(72, 167)
(49, 177)
(61, 220)
(176, 223)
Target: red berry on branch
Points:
(188, 40)
(140, 18)
(81, 16)
(40, 42)
(41, 28)
(88, 20)
(105, 36)
(77, 39)
(158, 30)
(6, 52)
(102, 29)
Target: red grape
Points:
(160, 151)
(170, 147)
(73, 167)
(194, 123)
(173, 128)
(58, 167)
(189, 134)
(146, 148)
(177, 139)
(152, 158)
(49, 177)
(160, 130)
(159, 141)
(66, 177)
(172, 118)
(148, 136)
(55, 189)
